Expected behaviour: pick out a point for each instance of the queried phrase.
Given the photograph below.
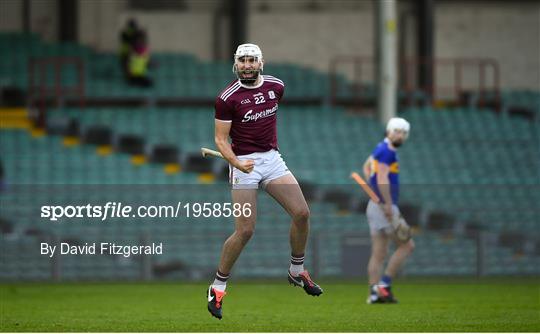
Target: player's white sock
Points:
(220, 282)
(297, 264)
(219, 285)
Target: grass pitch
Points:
(432, 305)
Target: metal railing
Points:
(450, 88)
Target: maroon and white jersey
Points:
(253, 113)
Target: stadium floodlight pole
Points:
(387, 59)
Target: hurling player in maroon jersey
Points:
(246, 111)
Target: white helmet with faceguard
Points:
(248, 51)
(398, 123)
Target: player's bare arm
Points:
(367, 167)
(384, 187)
(221, 138)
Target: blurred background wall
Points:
(507, 31)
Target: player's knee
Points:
(245, 233)
(409, 246)
(412, 246)
(301, 215)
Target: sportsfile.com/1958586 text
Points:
(120, 210)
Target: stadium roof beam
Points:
(424, 10)
(26, 16)
(67, 20)
(239, 18)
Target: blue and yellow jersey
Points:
(383, 154)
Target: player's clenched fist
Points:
(245, 166)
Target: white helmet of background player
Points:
(248, 50)
(397, 130)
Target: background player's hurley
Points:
(401, 228)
